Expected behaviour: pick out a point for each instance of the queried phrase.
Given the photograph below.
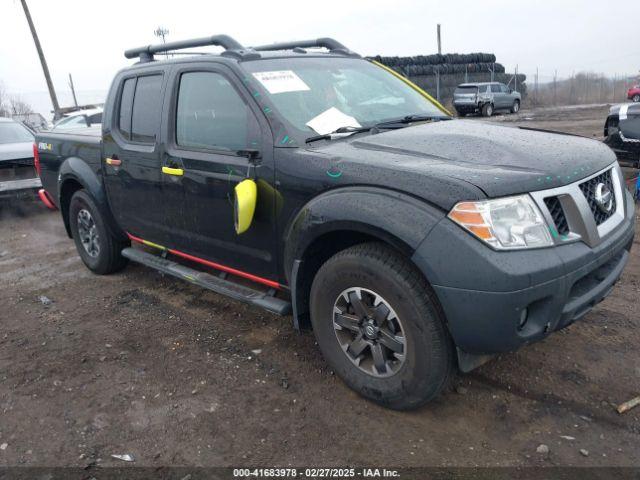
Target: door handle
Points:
(178, 172)
(116, 162)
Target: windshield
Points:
(317, 94)
(11, 132)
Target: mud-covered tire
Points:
(515, 108)
(103, 255)
(487, 110)
(428, 353)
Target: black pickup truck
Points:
(622, 132)
(302, 178)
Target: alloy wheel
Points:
(369, 332)
(88, 233)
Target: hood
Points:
(15, 151)
(498, 160)
(629, 109)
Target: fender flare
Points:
(77, 170)
(397, 218)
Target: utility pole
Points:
(439, 41)
(73, 91)
(555, 88)
(43, 62)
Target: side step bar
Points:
(210, 282)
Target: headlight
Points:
(504, 223)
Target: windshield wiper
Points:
(413, 118)
(396, 123)
(341, 130)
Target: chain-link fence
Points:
(580, 88)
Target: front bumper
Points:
(628, 150)
(486, 294)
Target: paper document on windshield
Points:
(331, 120)
(282, 81)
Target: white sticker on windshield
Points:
(281, 81)
(330, 120)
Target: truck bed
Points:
(83, 144)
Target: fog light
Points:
(524, 316)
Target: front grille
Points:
(557, 213)
(589, 190)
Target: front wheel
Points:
(636, 98)
(515, 108)
(380, 327)
(99, 249)
(487, 110)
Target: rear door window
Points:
(147, 104)
(495, 88)
(126, 102)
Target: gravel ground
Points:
(143, 364)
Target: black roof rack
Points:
(330, 44)
(146, 53)
(235, 49)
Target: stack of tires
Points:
(451, 70)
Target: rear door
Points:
(496, 93)
(132, 154)
(210, 120)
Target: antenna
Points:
(162, 32)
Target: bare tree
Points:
(4, 102)
(19, 106)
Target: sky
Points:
(87, 38)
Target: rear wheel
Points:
(636, 98)
(99, 249)
(380, 327)
(515, 108)
(487, 110)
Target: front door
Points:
(497, 96)
(211, 123)
(132, 155)
(507, 98)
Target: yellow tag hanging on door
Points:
(244, 205)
